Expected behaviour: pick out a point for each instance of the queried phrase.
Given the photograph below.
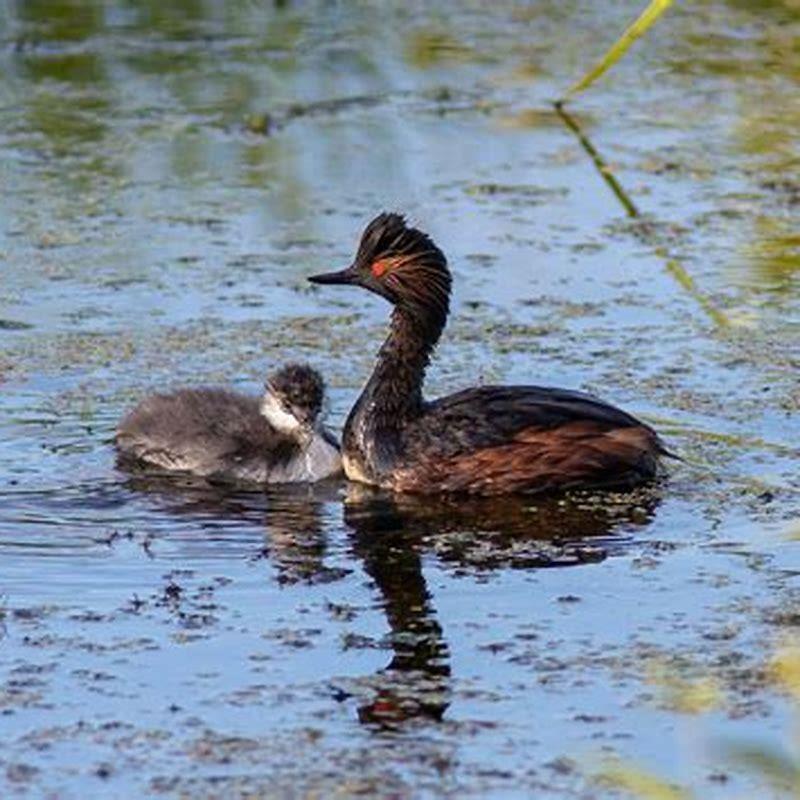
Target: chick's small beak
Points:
(344, 276)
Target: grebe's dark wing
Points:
(496, 439)
(491, 415)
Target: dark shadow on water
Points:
(521, 532)
(390, 537)
(415, 683)
(293, 517)
(185, 495)
(297, 531)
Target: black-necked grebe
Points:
(219, 434)
(485, 440)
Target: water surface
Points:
(171, 174)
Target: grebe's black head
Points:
(293, 398)
(399, 263)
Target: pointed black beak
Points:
(345, 276)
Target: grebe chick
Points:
(485, 440)
(219, 434)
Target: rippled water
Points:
(171, 173)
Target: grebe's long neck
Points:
(392, 398)
(393, 394)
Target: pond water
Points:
(171, 174)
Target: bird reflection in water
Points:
(416, 682)
(287, 522)
(297, 534)
(391, 534)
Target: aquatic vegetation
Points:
(673, 266)
(642, 784)
(682, 694)
(620, 47)
(645, 228)
(426, 49)
(778, 766)
(171, 174)
(775, 253)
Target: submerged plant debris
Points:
(169, 638)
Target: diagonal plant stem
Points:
(673, 266)
(678, 271)
(605, 172)
(653, 11)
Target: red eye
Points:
(379, 268)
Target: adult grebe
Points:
(485, 440)
(215, 433)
